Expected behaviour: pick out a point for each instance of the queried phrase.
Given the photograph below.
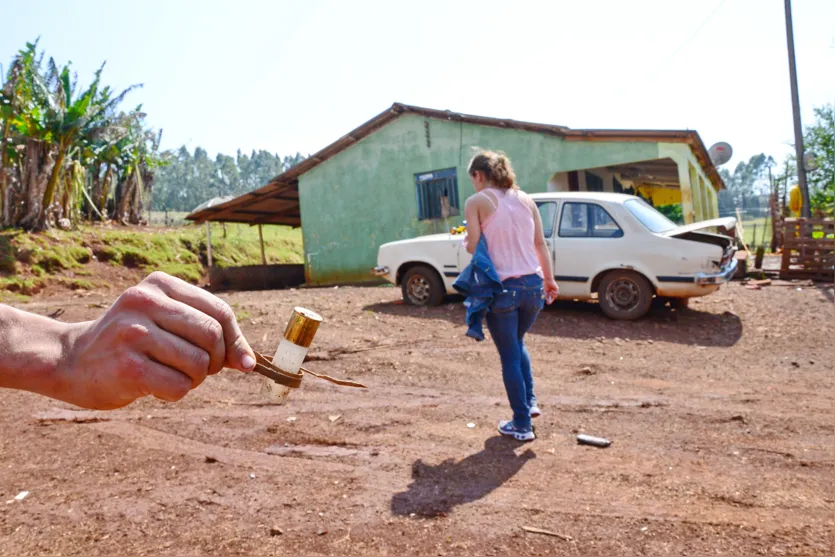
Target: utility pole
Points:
(798, 128)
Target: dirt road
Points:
(722, 417)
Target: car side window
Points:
(602, 224)
(587, 220)
(574, 221)
(547, 213)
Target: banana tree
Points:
(70, 118)
(27, 155)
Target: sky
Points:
(295, 76)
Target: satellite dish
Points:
(720, 153)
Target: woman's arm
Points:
(543, 254)
(541, 246)
(471, 213)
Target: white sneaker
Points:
(509, 428)
(535, 411)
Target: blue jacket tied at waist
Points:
(480, 283)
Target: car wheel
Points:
(422, 286)
(624, 295)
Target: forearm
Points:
(544, 260)
(32, 350)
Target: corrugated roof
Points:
(278, 201)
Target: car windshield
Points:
(649, 217)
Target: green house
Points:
(404, 173)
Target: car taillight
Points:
(726, 258)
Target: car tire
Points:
(624, 295)
(421, 286)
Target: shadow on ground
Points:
(584, 320)
(437, 490)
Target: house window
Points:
(587, 220)
(593, 182)
(617, 186)
(437, 194)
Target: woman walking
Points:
(510, 223)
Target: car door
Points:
(587, 239)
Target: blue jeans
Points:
(511, 315)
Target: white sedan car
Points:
(609, 246)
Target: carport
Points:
(276, 203)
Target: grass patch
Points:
(240, 244)
(51, 252)
(76, 283)
(757, 225)
(188, 272)
(24, 286)
(28, 261)
(7, 297)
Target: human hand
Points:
(161, 338)
(551, 290)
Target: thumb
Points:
(240, 355)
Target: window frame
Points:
(554, 220)
(602, 182)
(442, 177)
(590, 225)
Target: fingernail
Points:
(248, 362)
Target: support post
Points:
(261, 238)
(688, 212)
(805, 211)
(209, 243)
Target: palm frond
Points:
(109, 106)
(53, 74)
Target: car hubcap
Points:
(418, 289)
(623, 294)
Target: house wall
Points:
(366, 195)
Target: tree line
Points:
(188, 179)
(754, 181)
(70, 153)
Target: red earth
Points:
(721, 416)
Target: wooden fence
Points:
(808, 249)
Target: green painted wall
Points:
(366, 196)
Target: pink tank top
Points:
(510, 235)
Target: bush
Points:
(672, 212)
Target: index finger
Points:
(239, 355)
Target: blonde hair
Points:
(496, 168)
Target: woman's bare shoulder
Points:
(525, 198)
(477, 200)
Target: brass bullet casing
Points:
(291, 351)
(302, 327)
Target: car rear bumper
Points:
(723, 276)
